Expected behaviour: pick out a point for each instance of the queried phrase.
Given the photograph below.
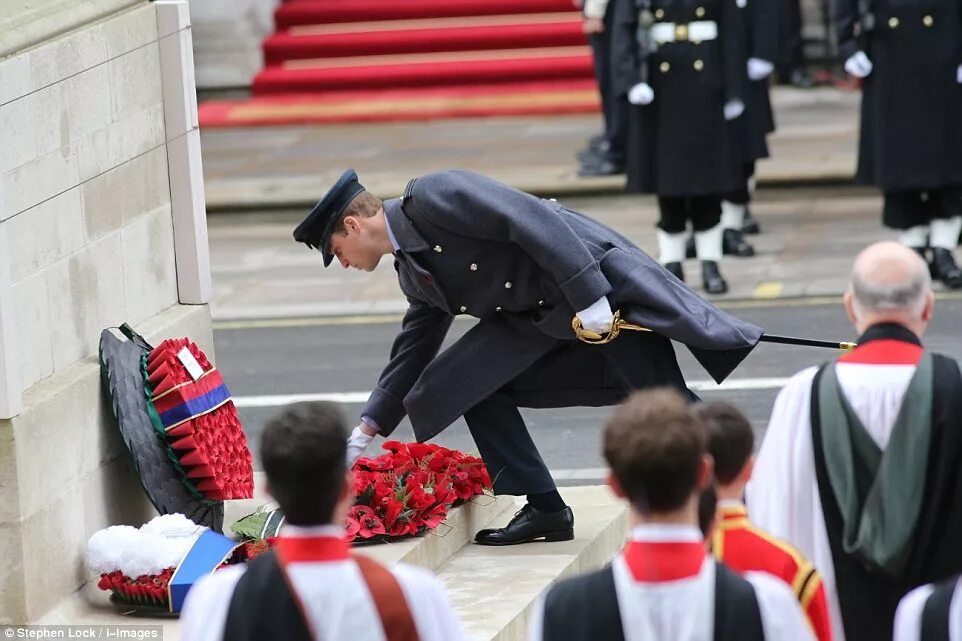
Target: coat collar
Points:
(890, 331)
(407, 237)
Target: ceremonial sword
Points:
(618, 324)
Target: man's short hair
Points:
(730, 438)
(364, 205)
(707, 505)
(654, 444)
(304, 453)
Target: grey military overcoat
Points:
(523, 266)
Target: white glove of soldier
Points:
(641, 94)
(759, 69)
(598, 317)
(858, 65)
(958, 75)
(733, 109)
(357, 442)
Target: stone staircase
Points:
(493, 589)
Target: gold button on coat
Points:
(473, 267)
(699, 65)
(664, 67)
(928, 21)
(893, 22)
(507, 285)
(437, 248)
(497, 309)
(660, 13)
(700, 11)
(463, 308)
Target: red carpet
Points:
(379, 60)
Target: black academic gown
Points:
(585, 608)
(911, 127)
(868, 600)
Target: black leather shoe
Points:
(603, 167)
(676, 270)
(529, 525)
(690, 250)
(734, 244)
(945, 269)
(750, 223)
(712, 278)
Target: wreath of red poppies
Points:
(410, 489)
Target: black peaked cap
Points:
(315, 230)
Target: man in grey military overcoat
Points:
(524, 266)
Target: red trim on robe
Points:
(653, 562)
(310, 549)
(884, 352)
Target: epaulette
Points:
(408, 190)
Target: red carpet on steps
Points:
(335, 61)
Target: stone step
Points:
(494, 588)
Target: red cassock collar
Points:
(655, 561)
(310, 549)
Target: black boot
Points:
(750, 223)
(734, 244)
(528, 525)
(945, 269)
(690, 250)
(712, 278)
(676, 270)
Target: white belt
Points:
(697, 31)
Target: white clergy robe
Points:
(335, 596)
(908, 618)
(783, 496)
(684, 609)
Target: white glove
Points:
(357, 442)
(858, 65)
(598, 317)
(733, 109)
(641, 94)
(759, 69)
(958, 75)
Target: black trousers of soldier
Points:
(614, 109)
(641, 359)
(742, 196)
(907, 209)
(704, 212)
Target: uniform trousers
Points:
(907, 209)
(641, 359)
(614, 108)
(704, 212)
(742, 195)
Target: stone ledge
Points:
(433, 549)
(494, 588)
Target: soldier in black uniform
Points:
(605, 156)
(761, 29)
(681, 64)
(909, 56)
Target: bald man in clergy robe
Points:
(932, 612)
(860, 466)
(665, 585)
(309, 587)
